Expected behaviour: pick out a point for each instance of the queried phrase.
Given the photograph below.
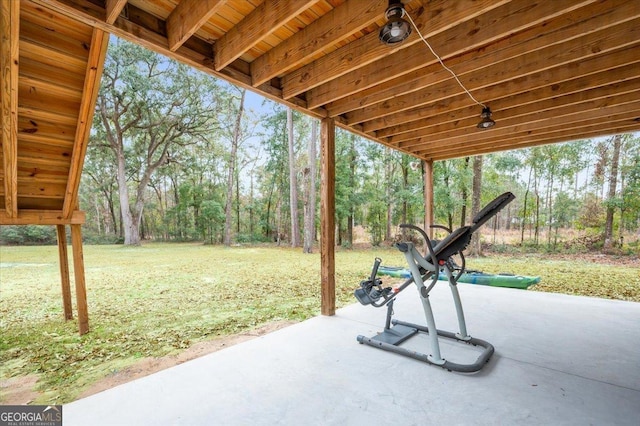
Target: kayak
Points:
(472, 277)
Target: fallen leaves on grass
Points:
(159, 299)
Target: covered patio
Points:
(549, 71)
(560, 360)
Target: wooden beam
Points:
(602, 69)
(594, 103)
(260, 23)
(546, 33)
(499, 71)
(439, 16)
(471, 34)
(524, 141)
(113, 9)
(327, 216)
(621, 115)
(41, 217)
(135, 32)
(527, 113)
(187, 18)
(529, 97)
(427, 166)
(78, 271)
(9, 45)
(64, 271)
(331, 28)
(95, 65)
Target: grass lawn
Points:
(160, 299)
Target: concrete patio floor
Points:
(559, 360)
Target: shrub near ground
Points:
(159, 299)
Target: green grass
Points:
(159, 299)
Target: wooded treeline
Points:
(176, 155)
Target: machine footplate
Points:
(396, 334)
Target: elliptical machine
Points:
(438, 258)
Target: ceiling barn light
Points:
(486, 121)
(396, 29)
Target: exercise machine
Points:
(439, 258)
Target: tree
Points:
(235, 140)
(146, 105)
(613, 176)
(310, 192)
(476, 198)
(293, 183)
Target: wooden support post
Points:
(64, 271)
(327, 214)
(428, 196)
(9, 44)
(78, 269)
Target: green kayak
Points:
(472, 277)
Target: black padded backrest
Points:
(491, 210)
(453, 243)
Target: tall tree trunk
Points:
(550, 208)
(465, 195)
(524, 208)
(278, 221)
(230, 177)
(129, 225)
(613, 180)
(388, 175)
(405, 185)
(293, 184)
(237, 200)
(476, 199)
(450, 212)
(310, 199)
(251, 219)
(352, 186)
(536, 186)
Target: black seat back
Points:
(453, 243)
(491, 210)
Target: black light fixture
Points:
(486, 121)
(396, 29)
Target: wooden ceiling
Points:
(550, 71)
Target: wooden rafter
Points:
(536, 111)
(625, 106)
(135, 31)
(555, 31)
(260, 23)
(333, 27)
(41, 217)
(485, 29)
(576, 50)
(520, 102)
(525, 140)
(442, 15)
(597, 71)
(113, 9)
(187, 18)
(9, 45)
(99, 43)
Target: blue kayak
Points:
(473, 277)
